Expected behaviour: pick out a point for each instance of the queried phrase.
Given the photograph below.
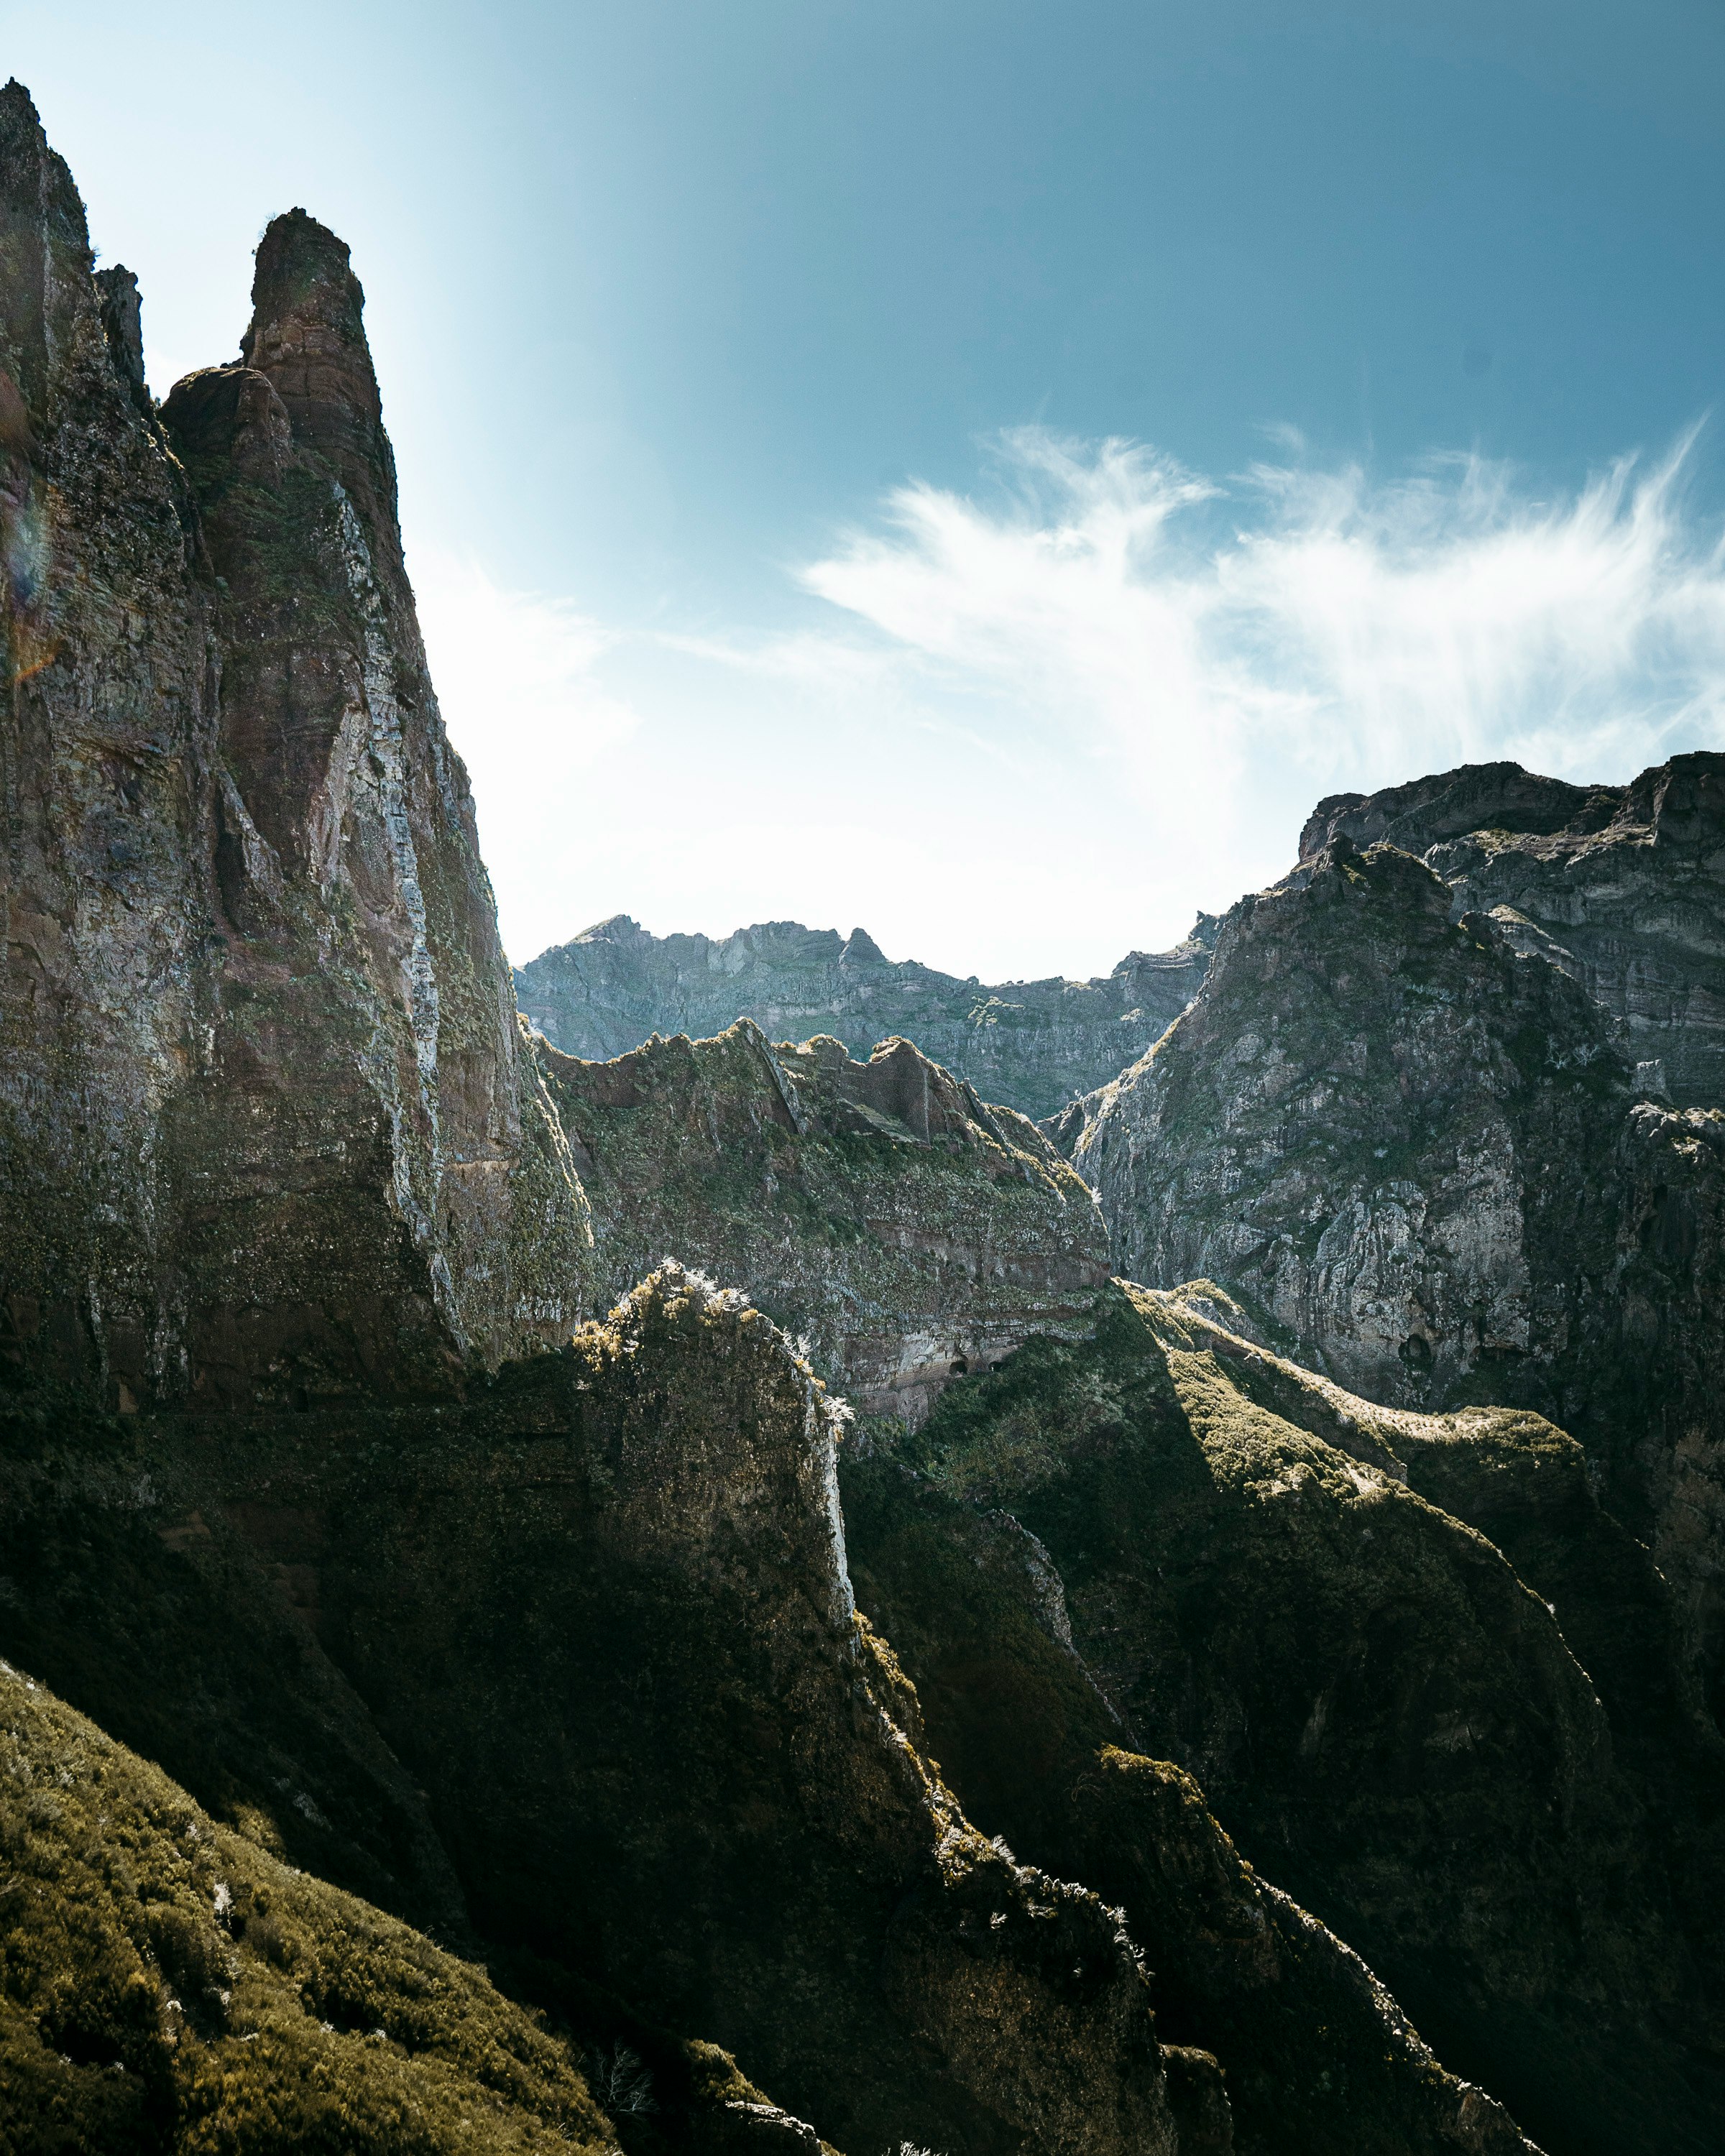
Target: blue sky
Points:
(979, 470)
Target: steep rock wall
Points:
(1383, 1128)
(268, 1124)
(601, 1613)
(1385, 1715)
(1416, 1153)
(1622, 886)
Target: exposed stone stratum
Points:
(1416, 1150)
(1622, 886)
(905, 1230)
(410, 1557)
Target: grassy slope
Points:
(165, 1984)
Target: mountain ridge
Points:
(382, 1468)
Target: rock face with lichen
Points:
(1623, 887)
(1382, 1127)
(584, 1648)
(907, 1231)
(564, 1664)
(1415, 1151)
(1034, 1045)
(380, 1574)
(269, 1125)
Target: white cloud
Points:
(1333, 632)
(1044, 728)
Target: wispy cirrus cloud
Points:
(1030, 730)
(1301, 626)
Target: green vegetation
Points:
(166, 1985)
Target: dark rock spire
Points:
(45, 248)
(307, 335)
(123, 324)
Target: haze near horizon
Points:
(981, 473)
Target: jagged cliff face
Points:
(584, 1649)
(554, 1652)
(1621, 886)
(269, 1124)
(595, 1626)
(109, 731)
(723, 1811)
(1034, 1045)
(1416, 1152)
(907, 1231)
(1384, 1128)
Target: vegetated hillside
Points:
(906, 1231)
(1032, 1045)
(1482, 1761)
(165, 1984)
(1622, 886)
(1418, 1155)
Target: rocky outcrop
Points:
(1386, 1714)
(1034, 1044)
(1416, 1154)
(906, 1231)
(1382, 1128)
(601, 1615)
(1315, 2053)
(551, 1651)
(268, 1124)
(1621, 886)
(597, 1621)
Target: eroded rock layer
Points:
(1622, 886)
(584, 1646)
(1294, 1597)
(1417, 1153)
(601, 1616)
(551, 1651)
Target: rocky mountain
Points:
(1621, 886)
(266, 1124)
(471, 1682)
(573, 1669)
(906, 1231)
(1032, 1045)
(1418, 1153)
(1420, 1675)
